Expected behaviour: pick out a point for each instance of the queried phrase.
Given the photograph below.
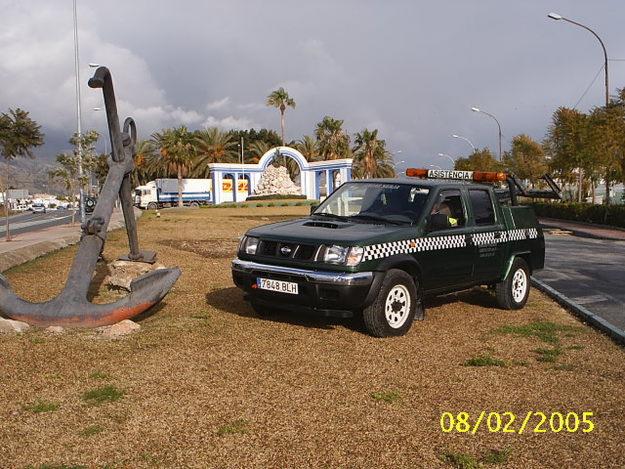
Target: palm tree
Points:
(257, 149)
(144, 153)
(333, 141)
(213, 146)
(280, 99)
(18, 135)
(176, 152)
(308, 147)
(371, 158)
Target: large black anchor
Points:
(71, 307)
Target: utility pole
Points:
(81, 194)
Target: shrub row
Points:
(276, 196)
(613, 215)
(263, 204)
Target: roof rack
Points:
(515, 188)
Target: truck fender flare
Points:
(513, 256)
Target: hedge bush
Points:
(275, 196)
(613, 215)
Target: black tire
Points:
(152, 206)
(513, 291)
(397, 284)
(194, 205)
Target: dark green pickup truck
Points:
(377, 247)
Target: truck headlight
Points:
(249, 245)
(350, 256)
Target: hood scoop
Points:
(325, 224)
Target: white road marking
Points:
(17, 226)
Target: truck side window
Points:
(482, 205)
(450, 203)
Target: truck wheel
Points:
(194, 205)
(395, 306)
(152, 206)
(513, 291)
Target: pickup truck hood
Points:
(329, 231)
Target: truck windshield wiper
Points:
(371, 216)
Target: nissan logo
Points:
(285, 250)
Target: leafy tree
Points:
(333, 141)
(526, 159)
(479, 160)
(280, 99)
(567, 146)
(176, 154)
(213, 146)
(308, 147)
(19, 134)
(606, 141)
(371, 158)
(67, 171)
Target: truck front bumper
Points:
(327, 293)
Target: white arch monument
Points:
(317, 178)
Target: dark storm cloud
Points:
(412, 69)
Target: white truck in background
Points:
(164, 193)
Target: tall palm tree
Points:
(371, 158)
(177, 153)
(144, 154)
(308, 147)
(333, 141)
(280, 99)
(213, 146)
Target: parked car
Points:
(38, 208)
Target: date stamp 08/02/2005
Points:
(508, 422)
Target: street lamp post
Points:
(466, 140)
(445, 155)
(557, 17)
(81, 192)
(477, 109)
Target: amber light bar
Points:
(477, 176)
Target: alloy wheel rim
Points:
(397, 306)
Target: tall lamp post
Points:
(81, 192)
(465, 139)
(477, 109)
(445, 155)
(557, 17)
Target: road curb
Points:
(24, 254)
(591, 318)
(579, 233)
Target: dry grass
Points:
(207, 383)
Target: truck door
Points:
(488, 236)
(447, 256)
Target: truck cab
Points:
(377, 247)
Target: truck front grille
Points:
(303, 252)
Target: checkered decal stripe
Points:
(408, 246)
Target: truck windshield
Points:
(378, 202)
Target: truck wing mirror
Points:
(313, 208)
(438, 221)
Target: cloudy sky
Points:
(410, 68)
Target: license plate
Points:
(277, 286)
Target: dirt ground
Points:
(207, 383)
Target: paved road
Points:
(590, 272)
(30, 221)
